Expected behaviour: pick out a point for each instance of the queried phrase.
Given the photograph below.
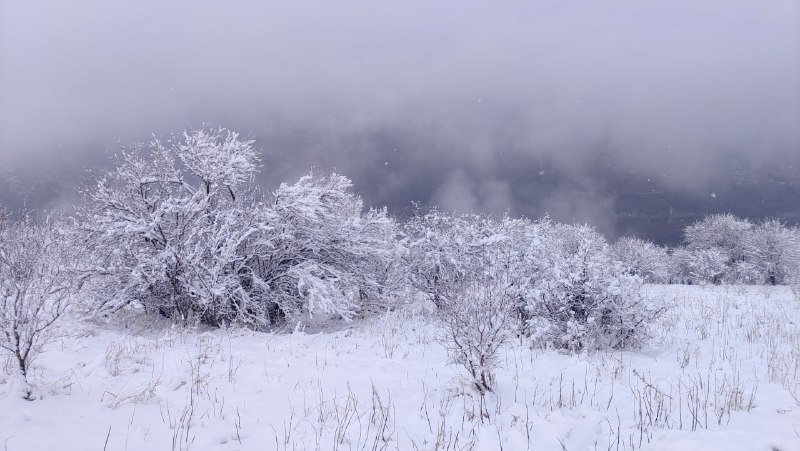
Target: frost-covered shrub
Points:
(581, 298)
(773, 251)
(444, 252)
(37, 284)
(324, 256)
(477, 319)
(169, 229)
(724, 232)
(472, 269)
(719, 239)
(679, 265)
(699, 266)
(179, 230)
(728, 250)
(745, 272)
(643, 258)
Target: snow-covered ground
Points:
(722, 372)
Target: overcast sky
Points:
(474, 106)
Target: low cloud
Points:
(460, 104)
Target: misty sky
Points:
(523, 106)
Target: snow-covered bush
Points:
(472, 269)
(699, 266)
(581, 298)
(478, 314)
(178, 230)
(718, 239)
(444, 252)
(324, 256)
(745, 272)
(724, 232)
(678, 262)
(643, 258)
(477, 319)
(726, 249)
(773, 250)
(169, 230)
(37, 285)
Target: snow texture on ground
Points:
(721, 373)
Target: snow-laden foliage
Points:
(723, 232)
(723, 249)
(643, 258)
(170, 231)
(469, 266)
(218, 158)
(699, 266)
(581, 298)
(444, 252)
(774, 251)
(564, 282)
(477, 320)
(37, 285)
(324, 256)
(179, 230)
(466, 265)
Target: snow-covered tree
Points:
(679, 259)
(721, 235)
(725, 232)
(773, 251)
(726, 249)
(324, 255)
(169, 229)
(477, 319)
(444, 251)
(179, 229)
(643, 258)
(37, 285)
(699, 266)
(581, 298)
(474, 271)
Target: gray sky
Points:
(476, 106)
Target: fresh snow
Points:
(721, 373)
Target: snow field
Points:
(721, 372)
